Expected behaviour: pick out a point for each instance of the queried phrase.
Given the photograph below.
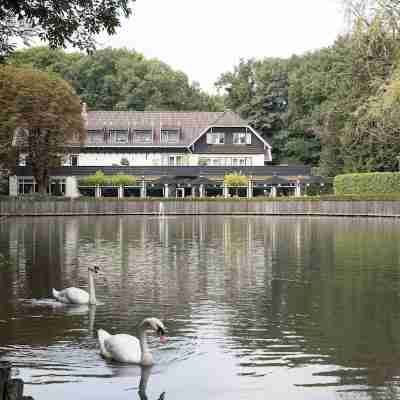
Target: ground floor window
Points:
(237, 191)
(262, 191)
(132, 191)
(213, 191)
(27, 185)
(57, 187)
(109, 191)
(87, 191)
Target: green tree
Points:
(121, 79)
(42, 114)
(60, 23)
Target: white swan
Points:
(129, 349)
(73, 295)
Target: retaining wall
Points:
(231, 207)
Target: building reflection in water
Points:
(272, 291)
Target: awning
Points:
(274, 181)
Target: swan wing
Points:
(71, 295)
(123, 348)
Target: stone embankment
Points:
(360, 208)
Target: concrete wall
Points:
(14, 207)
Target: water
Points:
(256, 307)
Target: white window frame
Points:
(175, 160)
(143, 136)
(71, 157)
(241, 138)
(22, 160)
(167, 137)
(122, 137)
(216, 138)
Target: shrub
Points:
(375, 182)
(122, 180)
(98, 179)
(235, 179)
(124, 161)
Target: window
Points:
(204, 161)
(175, 160)
(22, 160)
(169, 135)
(143, 135)
(215, 138)
(95, 136)
(242, 138)
(73, 160)
(107, 137)
(216, 162)
(26, 185)
(122, 137)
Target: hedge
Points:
(99, 179)
(367, 183)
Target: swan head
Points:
(155, 325)
(94, 269)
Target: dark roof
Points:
(190, 124)
(189, 171)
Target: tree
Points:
(60, 23)
(41, 114)
(120, 79)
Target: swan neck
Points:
(92, 292)
(144, 347)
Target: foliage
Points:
(235, 179)
(120, 79)
(337, 108)
(43, 113)
(60, 23)
(367, 183)
(100, 179)
(124, 161)
(122, 180)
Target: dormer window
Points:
(215, 138)
(22, 160)
(74, 160)
(144, 135)
(169, 135)
(122, 137)
(242, 138)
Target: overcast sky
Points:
(205, 38)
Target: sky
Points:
(205, 38)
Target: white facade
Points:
(163, 159)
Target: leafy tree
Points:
(60, 23)
(42, 113)
(120, 79)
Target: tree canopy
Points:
(39, 113)
(337, 108)
(60, 23)
(120, 79)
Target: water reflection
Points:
(295, 304)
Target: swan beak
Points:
(163, 339)
(161, 332)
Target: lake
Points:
(255, 307)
